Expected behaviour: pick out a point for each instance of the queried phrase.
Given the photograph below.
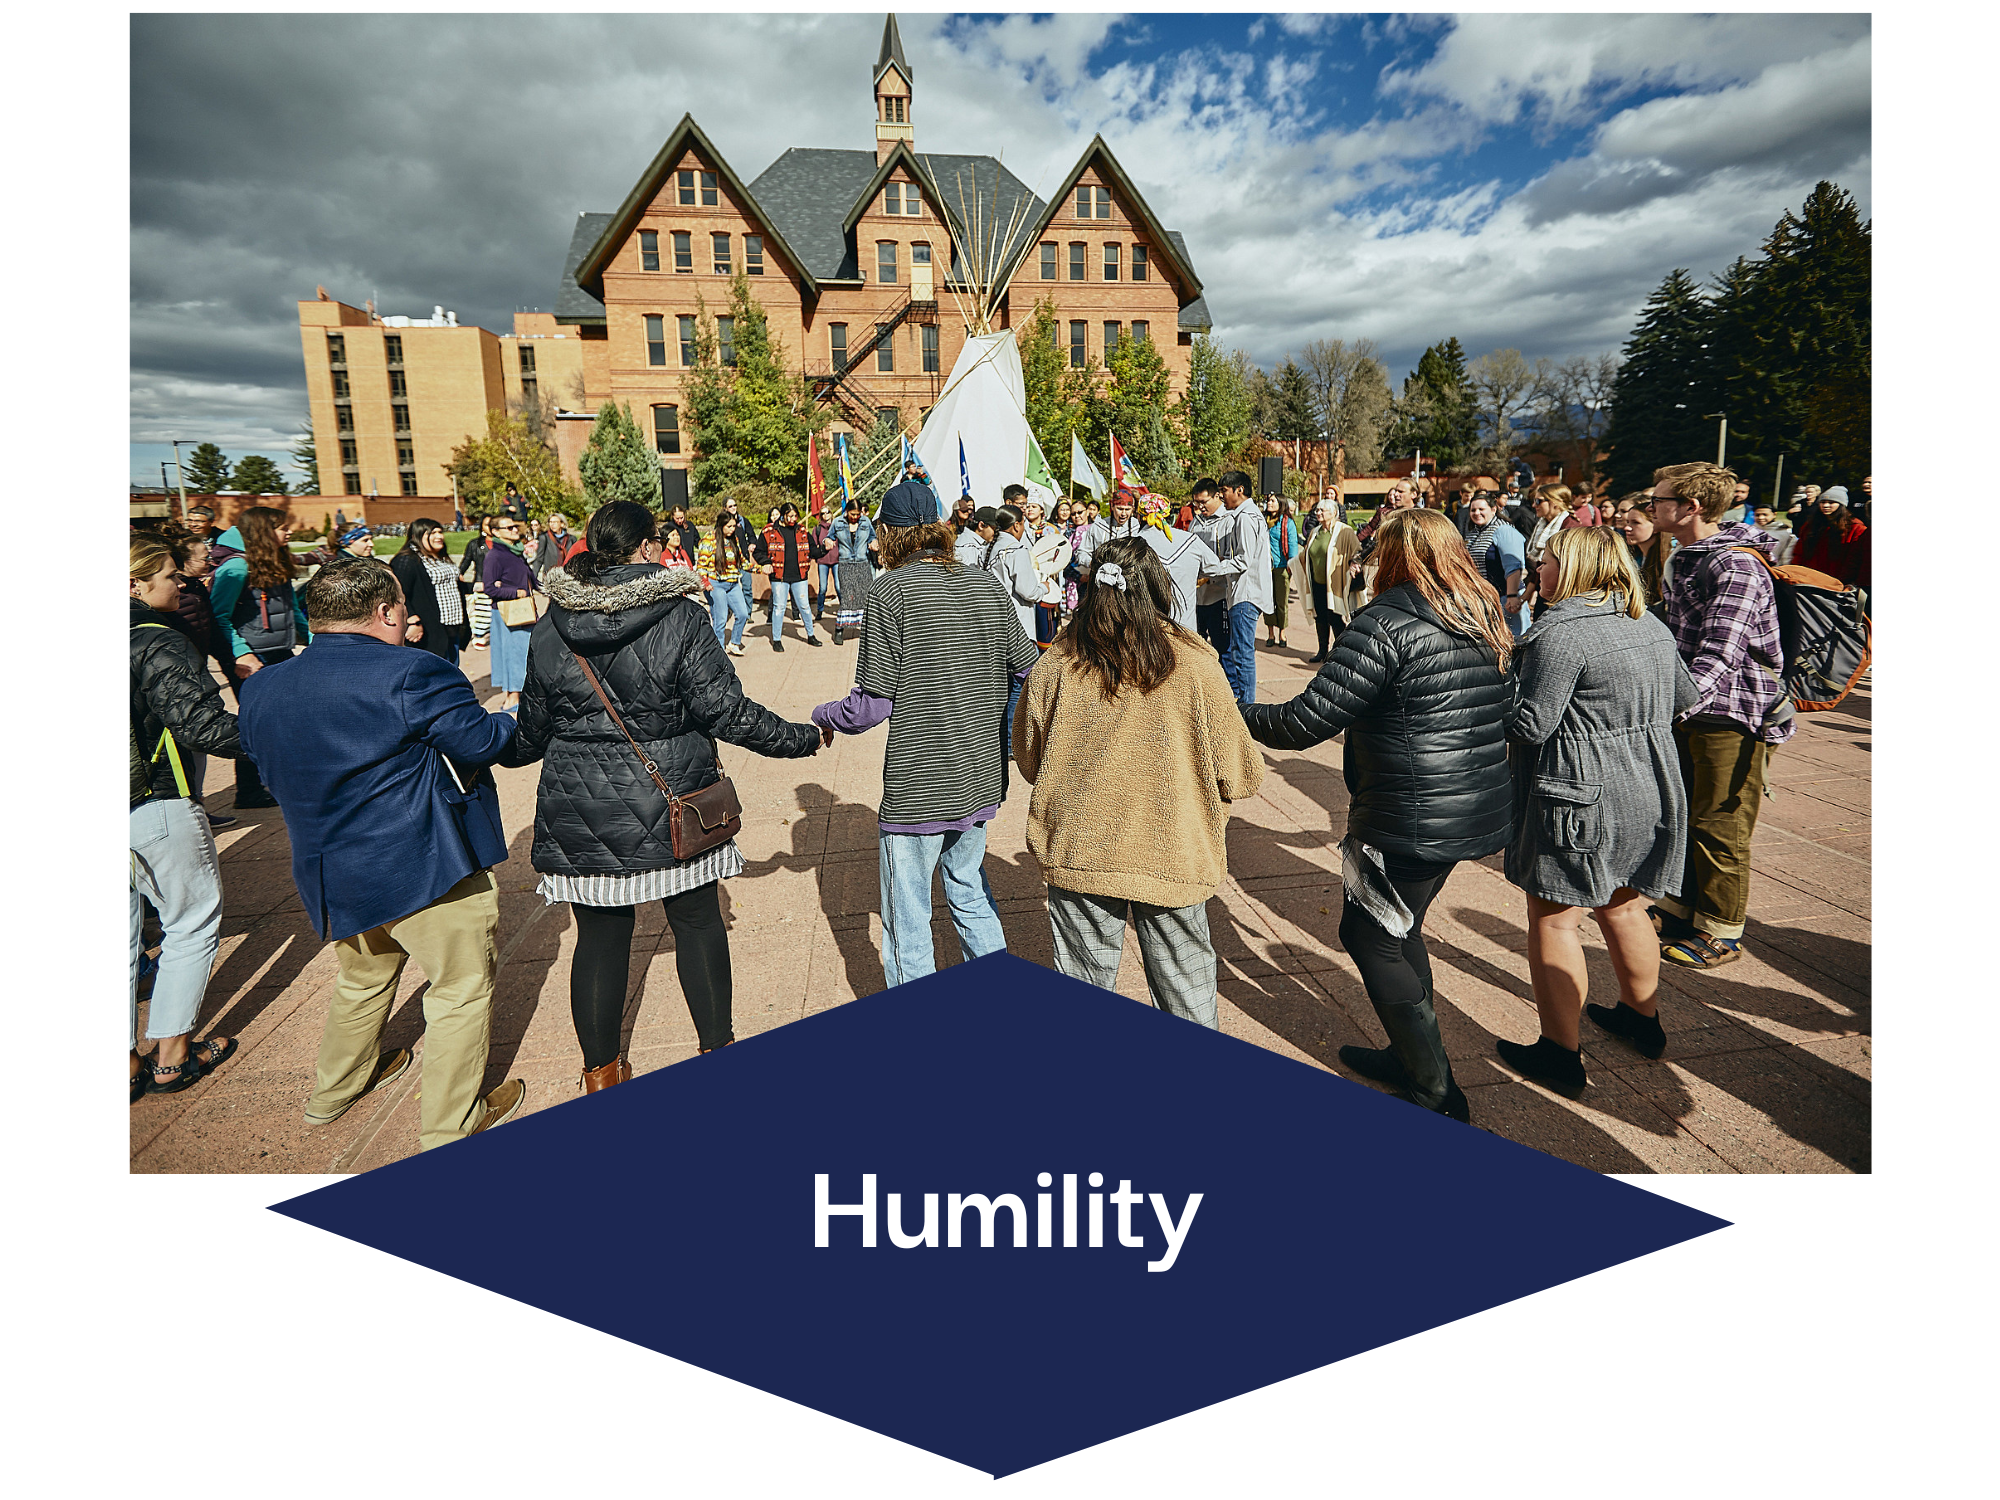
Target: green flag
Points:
(1037, 466)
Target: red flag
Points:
(1122, 471)
(815, 486)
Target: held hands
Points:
(415, 632)
(246, 664)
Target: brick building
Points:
(854, 256)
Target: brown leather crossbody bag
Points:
(698, 821)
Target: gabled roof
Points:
(573, 303)
(1135, 201)
(892, 52)
(817, 195)
(589, 273)
(1194, 316)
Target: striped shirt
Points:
(641, 886)
(941, 644)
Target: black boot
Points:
(1378, 1063)
(1552, 1066)
(1643, 1032)
(250, 790)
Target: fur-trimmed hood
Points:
(623, 604)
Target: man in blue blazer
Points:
(377, 755)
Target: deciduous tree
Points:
(1213, 413)
(484, 465)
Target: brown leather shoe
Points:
(388, 1068)
(615, 1071)
(502, 1104)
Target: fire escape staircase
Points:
(835, 384)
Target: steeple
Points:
(892, 94)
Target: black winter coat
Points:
(597, 812)
(1425, 712)
(171, 689)
(420, 594)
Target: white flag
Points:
(1082, 471)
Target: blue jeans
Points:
(174, 866)
(1014, 686)
(907, 862)
(1233, 633)
(724, 600)
(796, 592)
(825, 572)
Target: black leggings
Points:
(1397, 974)
(602, 969)
(1325, 621)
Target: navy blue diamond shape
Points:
(1361, 1219)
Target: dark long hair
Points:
(1121, 636)
(617, 529)
(420, 530)
(268, 560)
(728, 543)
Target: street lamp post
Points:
(180, 474)
(1721, 437)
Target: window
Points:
(392, 347)
(527, 362)
(340, 385)
(686, 321)
(930, 335)
(409, 478)
(649, 250)
(719, 248)
(1142, 332)
(351, 482)
(401, 413)
(725, 339)
(336, 349)
(406, 456)
(709, 200)
(667, 429)
(1110, 262)
(895, 109)
(1076, 250)
(687, 189)
(1093, 203)
(920, 254)
(885, 355)
(837, 333)
(349, 456)
(1110, 340)
(1055, 334)
(1079, 356)
(656, 339)
(892, 199)
(1049, 262)
(683, 253)
(885, 262)
(753, 254)
(399, 385)
(1138, 262)
(913, 204)
(343, 418)
(888, 414)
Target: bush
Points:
(307, 533)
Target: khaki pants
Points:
(453, 940)
(1725, 772)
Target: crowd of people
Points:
(1591, 687)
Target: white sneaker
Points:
(735, 648)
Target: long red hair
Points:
(1423, 549)
(268, 560)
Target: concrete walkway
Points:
(1766, 1070)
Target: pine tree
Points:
(1137, 397)
(207, 470)
(1662, 388)
(749, 421)
(257, 475)
(305, 458)
(1438, 412)
(1213, 413)
(1291, 412)
(617, 463)
(1051, 414)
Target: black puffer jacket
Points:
(651, 645)
(171, 689)
(1425, 712)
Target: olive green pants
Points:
(1281, 598)
(452, 939)
(1724, 768)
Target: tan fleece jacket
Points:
(1131, 795)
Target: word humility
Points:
(1123, 1201)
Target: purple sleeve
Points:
(857, 713)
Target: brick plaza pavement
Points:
(1767, 1066)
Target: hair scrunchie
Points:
(1109, 573)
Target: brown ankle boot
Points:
(615, 1071)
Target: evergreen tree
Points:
(257, 475)
(1659, 397)
(706, 418)
(1438, 413)
(617, 463)
(305, 458)
(749, 421)
(1361, 419)
(1047, 396)
(1291, 411)
(207, 471)
(1213, 413)
(1137, 407)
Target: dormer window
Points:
(1093, 202)
(895, 109)
(903, 199)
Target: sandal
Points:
(1701, 951)
(182, 1075)
(212, 1056)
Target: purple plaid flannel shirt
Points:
(1724, 615)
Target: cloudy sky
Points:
(1514, 180)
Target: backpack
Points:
(1827, 640)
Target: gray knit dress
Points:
(1598, 797)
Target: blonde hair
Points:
(148, 552)
(1423, 549)
(1706, 485)
(1596, 560)
(1556, 494)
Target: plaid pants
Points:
(1173, 943)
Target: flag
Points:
(909, 454)
(1122, 470)
(815, 485)
(1037, 466)
(846, 477)
(1082, 471)
(964, 476)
